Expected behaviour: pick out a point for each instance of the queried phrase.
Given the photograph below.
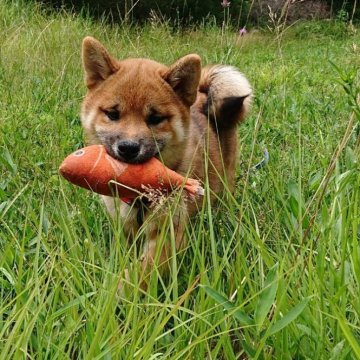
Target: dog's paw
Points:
(124, 286)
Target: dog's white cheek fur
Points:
(179, 129)
(88, 118)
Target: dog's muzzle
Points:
(128, 150)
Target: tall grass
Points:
(271, 272)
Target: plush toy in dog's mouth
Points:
(94, 169)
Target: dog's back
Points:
(223, 100)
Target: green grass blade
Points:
(289, 317)
(348, 334)
(267, 296)
(239, 315)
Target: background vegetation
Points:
(271, 272)
(181, 13)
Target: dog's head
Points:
(137, 108)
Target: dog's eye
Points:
(112, 114)
(155, 119)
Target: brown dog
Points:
(183, 114)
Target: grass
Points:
(271, 272)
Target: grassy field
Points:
(271, 272)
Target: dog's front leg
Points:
(164, 230)
(127, 213)
(162, 238)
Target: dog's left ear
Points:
(184, 77)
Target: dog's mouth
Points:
(139, 159)
(143, 156)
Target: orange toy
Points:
(94, 169)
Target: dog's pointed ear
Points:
(97, 62)
(184, 77)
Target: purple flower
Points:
(242, 31)
(225, 3)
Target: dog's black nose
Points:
(128, 149)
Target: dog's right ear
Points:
(184, 76)
(97, 62)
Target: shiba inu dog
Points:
(138, 108)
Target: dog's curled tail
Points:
(228, 95)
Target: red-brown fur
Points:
(183, 114)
